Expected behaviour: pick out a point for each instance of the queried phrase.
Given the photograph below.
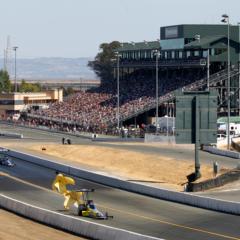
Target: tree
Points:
(67, 91)
(29, 87)
(5, 83)
(102, 64)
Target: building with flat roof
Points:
(15, 103)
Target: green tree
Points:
(29, 87)
(5, 83)
(67, 91)
(102, 64)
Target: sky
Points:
(76, 28)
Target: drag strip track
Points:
(31, 183)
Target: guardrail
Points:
(180, 197)
(200, 62)
(69, 223)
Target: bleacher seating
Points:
(96, 110)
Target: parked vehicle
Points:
(234, 128)
(221, 136)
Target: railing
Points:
(161, 63)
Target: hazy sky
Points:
(75, 28)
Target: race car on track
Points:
(7, 161)
(78, 198)
(88, 209)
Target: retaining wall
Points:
(180, 197)
(69, 223)
(221, 180)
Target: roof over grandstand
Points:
(207, 42)
(139, 46)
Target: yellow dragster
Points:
(88, 209)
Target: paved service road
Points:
(131, 211)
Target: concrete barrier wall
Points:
(10, 135)
(69, 223)
(180, 197)
(221, 152)
(117, 139)
(159, 138)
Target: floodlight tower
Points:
(157, 55)
(225, 19)
(238, 68)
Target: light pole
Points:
(157, 54)
(198, 38)
(208, 68)
(15, 49)
(167, 119)
(118, 112)
(226, 20)
(238, 68)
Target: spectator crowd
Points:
(96, 110)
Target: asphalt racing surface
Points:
(31, 183)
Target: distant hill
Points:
(51, 68)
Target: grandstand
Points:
(182, 64)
